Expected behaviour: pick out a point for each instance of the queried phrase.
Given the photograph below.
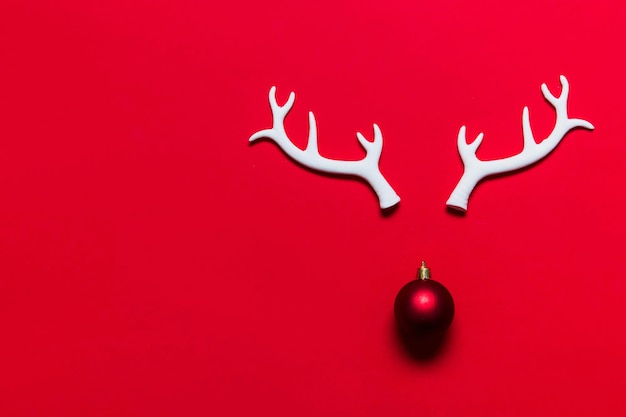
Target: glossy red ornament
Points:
(423, 306)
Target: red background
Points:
(153, 263)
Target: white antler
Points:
(475, 169)
(366, 168)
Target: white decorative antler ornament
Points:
(476, 169)
(366, 168)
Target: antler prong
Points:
(280, 112)
(527, 132)
(582, 123)
(468, 150)
(554, 100)
(373, 146)
(364, 142)
(311, 146)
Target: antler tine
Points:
(527, 132)
(468, 150)
(374, 148)
(311, 145)
(560, 104)
(277, 109)
(551, 97)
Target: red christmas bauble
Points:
(423, 306)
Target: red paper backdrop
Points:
(153, 263)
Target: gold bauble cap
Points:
(424, 271)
